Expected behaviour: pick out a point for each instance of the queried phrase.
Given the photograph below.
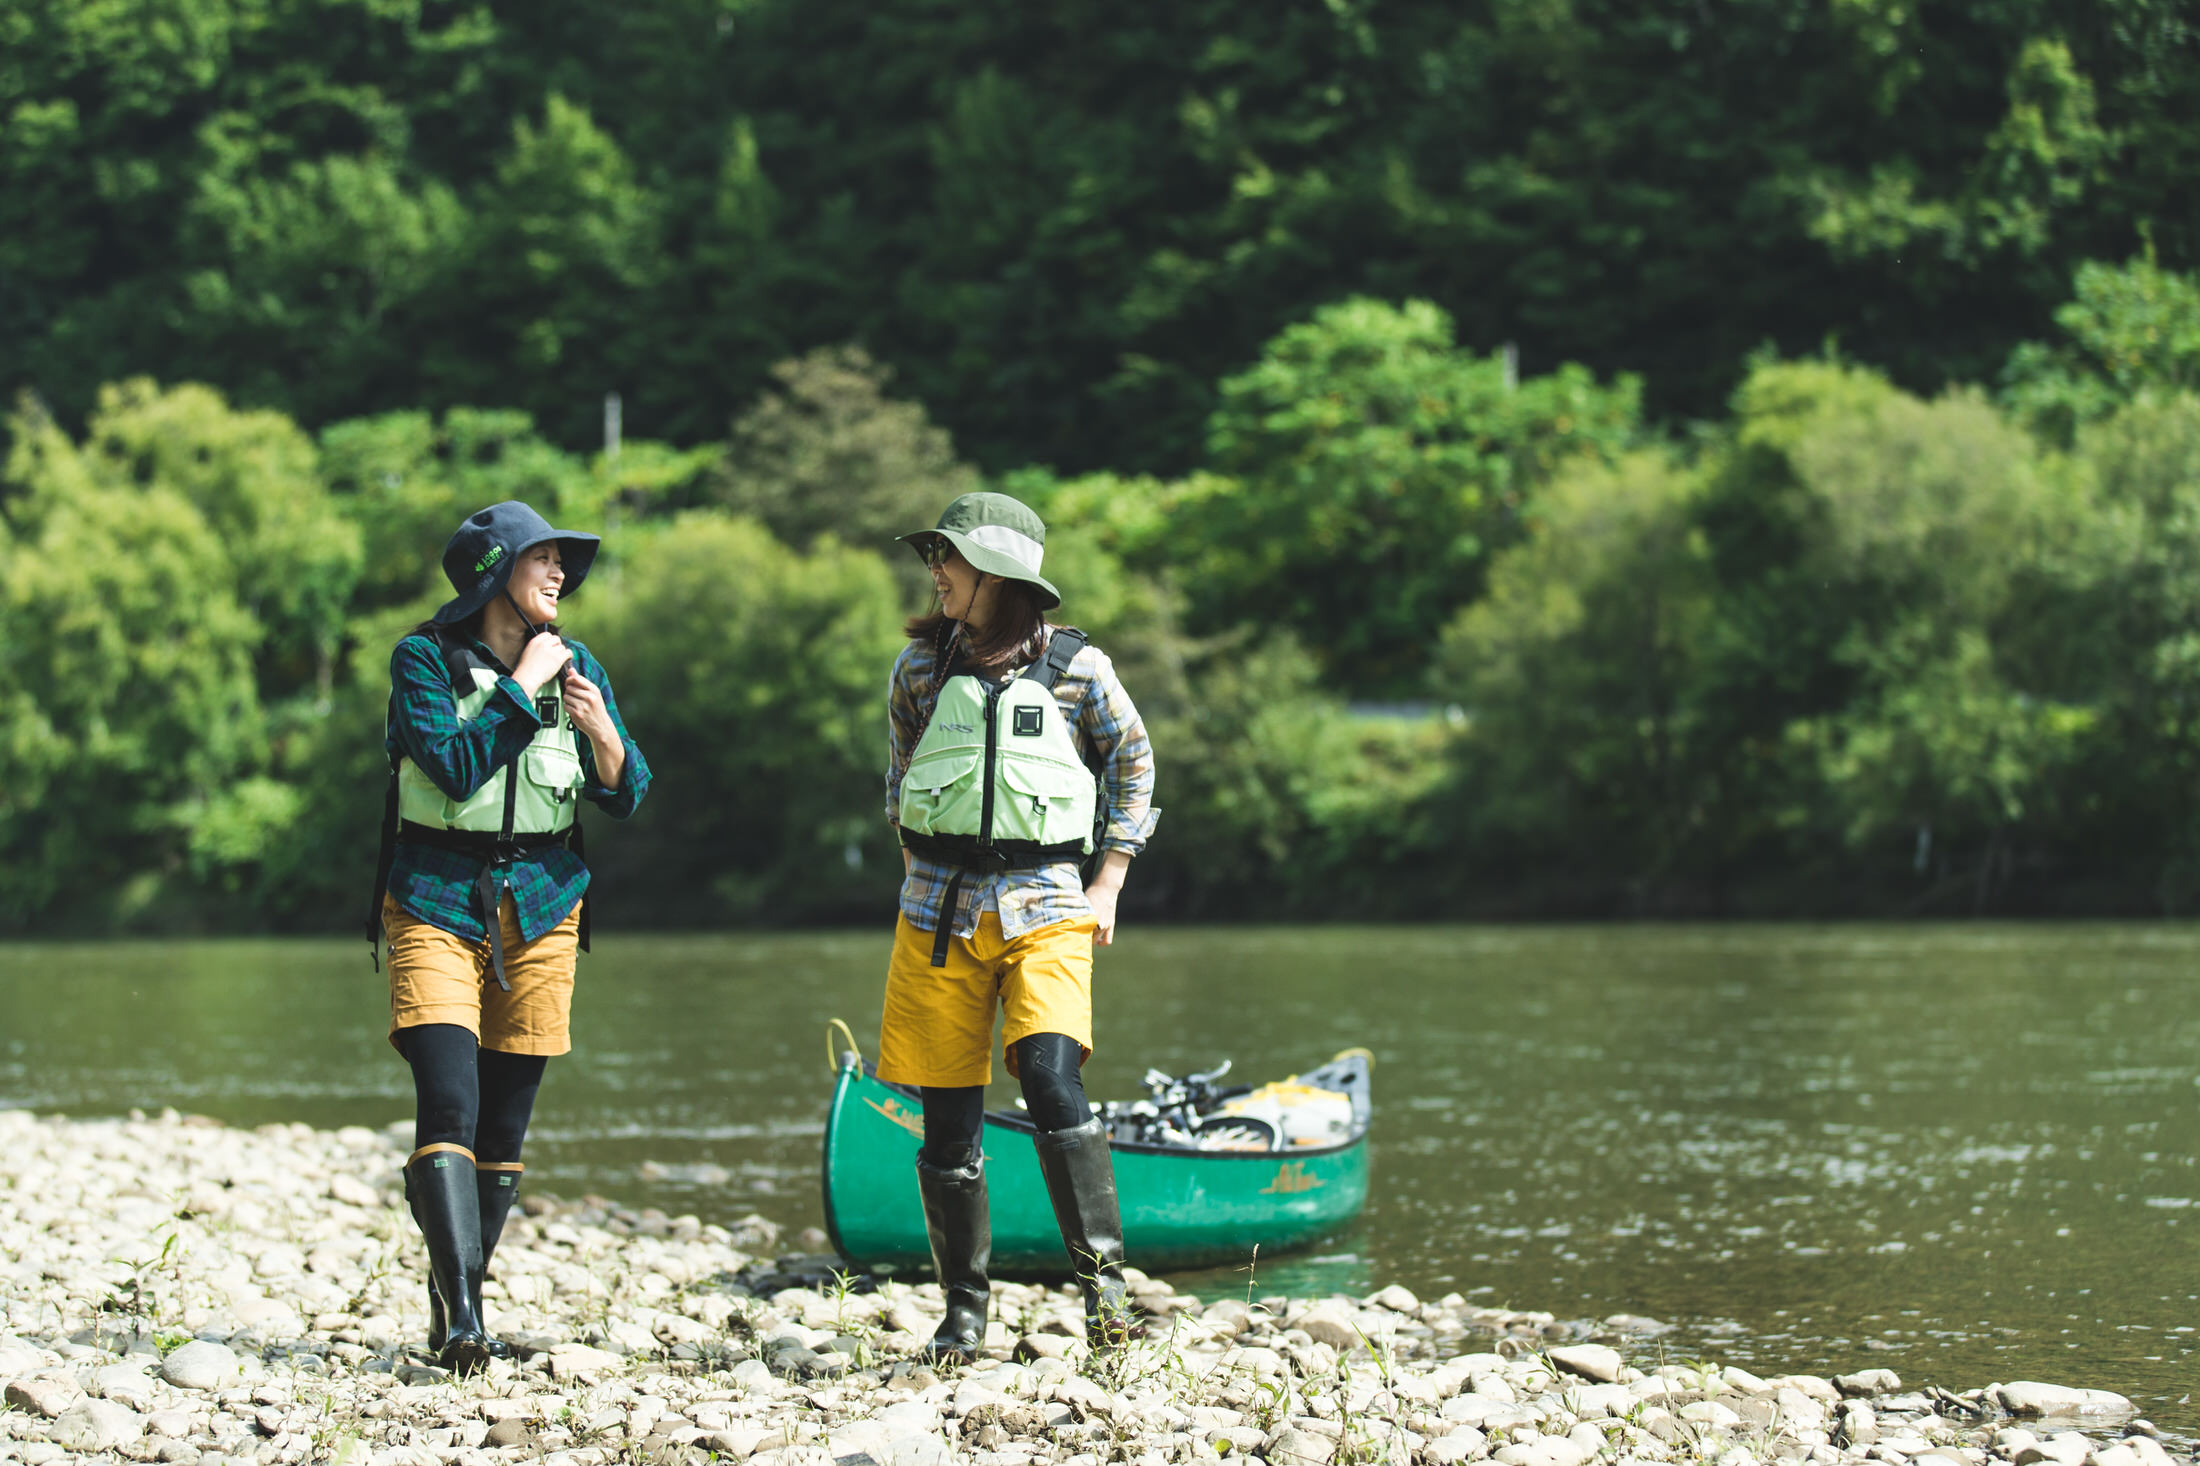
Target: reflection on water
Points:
(1965, 1153)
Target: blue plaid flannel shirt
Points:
(437, 885)
(1104, 722)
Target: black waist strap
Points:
(966, 852)
(493, 850)
(969, 856)
(484, 843)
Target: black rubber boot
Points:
(961, 1232)
(1080, 1176)
(440, 1182)
(498, 1183)
(436, 1329)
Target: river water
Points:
(1965, 1153)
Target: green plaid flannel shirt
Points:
(1107, 729)
(437, 885)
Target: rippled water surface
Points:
(1964, 1153)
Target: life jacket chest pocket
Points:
(943, 791)
(555, 767)
(1055, 799)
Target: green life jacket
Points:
(997, 781)
(544, 796)
(503, 819)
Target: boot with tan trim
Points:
(960, 1229)
(498, 1183)
(440, 1184)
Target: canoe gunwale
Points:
(1024, 1125)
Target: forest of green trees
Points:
(1526, 457)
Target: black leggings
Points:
(1046, 1066)
(467, 1095)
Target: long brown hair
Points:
(1014, 637)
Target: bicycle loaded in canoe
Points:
(1204, 1175)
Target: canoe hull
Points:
(1180, 1208)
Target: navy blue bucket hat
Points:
(480, 557)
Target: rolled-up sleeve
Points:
(904, 719)
(634, 778)
(1110, 723)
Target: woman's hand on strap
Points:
(1107, 885)
(584, 705)
(539, 662)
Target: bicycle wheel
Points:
(1236, 1132)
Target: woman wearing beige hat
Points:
(1008, 735)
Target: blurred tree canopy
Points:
(1527, 459)
(1062, 227)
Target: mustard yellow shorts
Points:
(436, 977)
(938, 1027)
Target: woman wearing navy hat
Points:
(498, 727)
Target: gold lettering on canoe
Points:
(1291, 1178)
(901, 1115)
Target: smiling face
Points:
(536, 582)
(966, 593)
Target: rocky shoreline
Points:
(175, 1290)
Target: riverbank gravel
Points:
(176, 1290)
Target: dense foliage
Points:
(1063, 225)
(1853, 649)
(1531, 456)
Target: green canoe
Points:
(1181, 1207)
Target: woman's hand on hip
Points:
(1107, 885)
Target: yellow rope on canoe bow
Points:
(833, 1059)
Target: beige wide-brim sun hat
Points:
(998, 535)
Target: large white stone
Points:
(1331, 1324)
(2148, 1450)
(1594, 1402)
(572, 1361)
(200, 1365)
(48, 1396)
(2029, 1398)
(97, 1425)
(1711, 1413)
(1292, 1446)
(1396, 1299)
(1546, 1450)
(127, 1384)
(736, 1442)
(18, 1358)
(1868, 1382)
(2066, 1448)
(1596, 1362)
(1464, 1444)
(1254, 1360)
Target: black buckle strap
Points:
(495, 852)
(489, 893)
(950, 905)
